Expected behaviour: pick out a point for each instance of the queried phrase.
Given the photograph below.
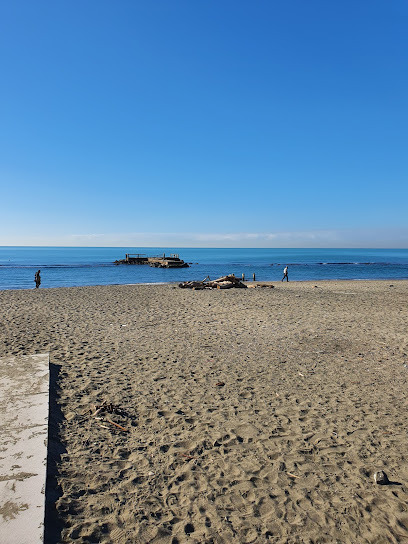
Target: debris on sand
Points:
(225, 282)
(101, 410)
(381, 478)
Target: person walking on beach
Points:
(285, 274)
(37, 279)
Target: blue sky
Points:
(204, 123)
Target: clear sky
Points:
(204, 123)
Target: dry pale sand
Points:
(314, 402)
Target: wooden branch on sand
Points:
(118, 426)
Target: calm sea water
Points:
(73, 266)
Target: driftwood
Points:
(100, 411)
(225, 282)
(192, 285)
(117, 425)
(231, 278)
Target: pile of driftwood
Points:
(100, 412)
(226, 282)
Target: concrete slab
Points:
(24, 407)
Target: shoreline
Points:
(175, 283)
(249, 414)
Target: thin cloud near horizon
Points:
(341, 238)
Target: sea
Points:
(77, 266)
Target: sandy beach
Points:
(217, 416)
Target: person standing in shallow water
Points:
(285, 274)
(37, 279)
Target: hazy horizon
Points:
(317, 240)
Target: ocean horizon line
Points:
(298, 248)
